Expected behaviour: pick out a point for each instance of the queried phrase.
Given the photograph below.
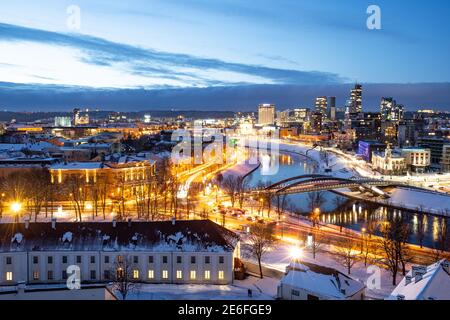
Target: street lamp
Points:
(16, 207)
(296, 253)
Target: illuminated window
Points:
(221, 275)
(135, 274)
(207, 274)
(120, 274)
(9, 276)
(165, 274)
(193, 275)
(36, 275)
(151, 274)
(179, 274)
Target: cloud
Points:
(191, 70)
(16, 97)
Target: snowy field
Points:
(261, 290)
(280, 257)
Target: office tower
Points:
(390, 110)
(76, 116)
(322, 106)
(332, 108)
(266, 114)
(356, 99)
(316, 122)
(63, 122)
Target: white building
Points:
(389, 162)
(179, 252)
(417, 159)
(425, 283)
(266, 114)
(305, 281)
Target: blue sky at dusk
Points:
(175, 44)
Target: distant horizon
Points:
(223, 54)
(20, 97)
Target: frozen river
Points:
(353, 214)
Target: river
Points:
(354, 214)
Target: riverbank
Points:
(403, 198)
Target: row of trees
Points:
(149, 198)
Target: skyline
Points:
(154, 48)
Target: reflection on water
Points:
(352, 214)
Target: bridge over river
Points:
(318, 182)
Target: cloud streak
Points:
(187, 69)
(16, 97)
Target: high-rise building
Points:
(63, 122)
(332, 108)
(390, 110)
(316, 122)
(78, 119)
(266, 114)
(76, 116)
(356, 99)
(322, 106)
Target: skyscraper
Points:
(322, 106)
(332, 108)
(356, 99)
(390, 110)
(266, 114)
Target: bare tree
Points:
(347, 252)
(393, 245)
(315, 242)
(340, 210)
(38, 181)
(368, 247)
(421, 227)
(267, 196)
(442, 242)
(230, 185)
(78, 194)
(315, 201)
(261, 240)
(102, 188)
(124, 281)
(241, 189)
(282, 204)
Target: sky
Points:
(157, 45)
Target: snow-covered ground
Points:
(412, 199)
(280, 257)
(261, 290)
(240, 170)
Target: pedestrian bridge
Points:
(317, 182)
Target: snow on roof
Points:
(18, 237)
(161, 236)
(321, 281)
(434, 284)
(67, 237)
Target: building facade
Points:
(389, 162)
(178, 252)
(266, 114)
(417, 159)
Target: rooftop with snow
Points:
(162, 236)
